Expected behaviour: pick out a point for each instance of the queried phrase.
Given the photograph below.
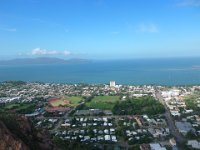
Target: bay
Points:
(171, 71)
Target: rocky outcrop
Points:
(8, 141)
(17, 133)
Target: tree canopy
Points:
(139, 106)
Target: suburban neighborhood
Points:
(109, 116)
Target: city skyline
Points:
(99, 29)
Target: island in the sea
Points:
(42, 60)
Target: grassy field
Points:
(21, 108)
(74, 100)
(103, 102)
(67, 101)
(11, 106)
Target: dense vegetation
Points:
(72, 145)
(138, 106)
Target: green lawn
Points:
(74, 100)
(103, 102)
(11, 106)
(21, 108)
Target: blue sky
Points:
(99, 29)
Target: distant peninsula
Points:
(42, 60)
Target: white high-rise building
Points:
(112, 84)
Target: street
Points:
(179, 138)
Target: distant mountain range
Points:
(42, 60)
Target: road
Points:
(173, 130)
(57, 126)
(170, 121)
(91, 117)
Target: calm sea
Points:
(184, 71)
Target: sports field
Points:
(55, 102)
(103, 102)
(65, 101)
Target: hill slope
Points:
(17, 133)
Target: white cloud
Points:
(149, 28)
(189, 3)
(40, 52)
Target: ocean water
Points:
(176, 71)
